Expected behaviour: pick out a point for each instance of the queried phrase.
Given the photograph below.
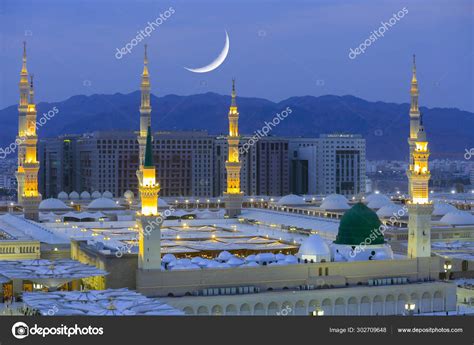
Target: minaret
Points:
(22, 110)
(28, 165)
(419, 206)
(145, 112)
(233, 197)
(148, 220)
(414, 116)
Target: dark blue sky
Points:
(278, 49)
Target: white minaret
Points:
(419, 206)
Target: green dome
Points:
(359, 225)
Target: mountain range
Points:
(384, 125)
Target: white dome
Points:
(96, 195)
(376, 201)
(291, 199)
(85, 195)
(63, 196)
(391, 210)
(128, 195)
(334, 204)
(107, 195)
(167, 258)
(441, 208)
(74, 195)
(458, 218)
(102, 204)
(224, 256)
(53, 204)
(336, 197)
(314, 248)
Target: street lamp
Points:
(318, 312)
(409, 308)
(447, 267)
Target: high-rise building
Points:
(108, 161)
(28, 165)
(333, 163)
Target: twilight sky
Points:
(278, 49)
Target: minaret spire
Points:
(145, 111)
(233, 195)
(415, 116)
(418, 173)
(28, 165)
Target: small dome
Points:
(74, 195)
(85, 195)
(376, 201)
(63, 196)
(102, 204)
(336, 197)
(314, 248)
(53, 204)
(128, 195)
(107, 195)
(442, 208)
(167, 258)
(334, 204)
(224, 256)
(358, 224)
(458, 218)
(391, 210)
(96, 195)
(291, 199)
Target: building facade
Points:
(332, 163)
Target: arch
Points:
(365, 306)
(202, 310)
(390, 305)
(259, 309)
(402, 300)
(188, 311)
(231, 310)
(414, 298)
(286, 309)
(300, 308)
(326, 306)
(340, 306)
(426, 303)
(352, 306)
(217, 310)
(377, 305)
(438, 301)
(313, 305)
(245, 309)
(273, 309)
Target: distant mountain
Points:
(384, 125)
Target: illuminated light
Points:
(213, 236)
(377, 192)
(178, 237)
(453, 192)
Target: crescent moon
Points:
(217, 62)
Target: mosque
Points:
(225, 263)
